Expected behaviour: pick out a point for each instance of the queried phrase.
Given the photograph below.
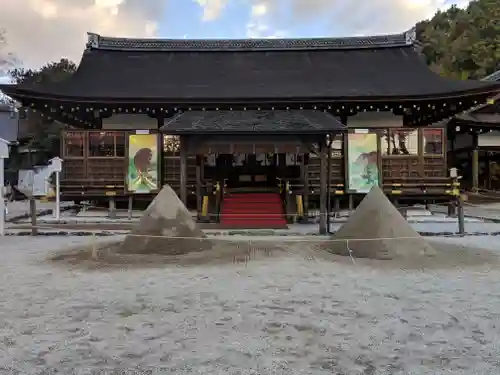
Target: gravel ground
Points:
(283, 315)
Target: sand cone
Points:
(166, 228)
(376, 217)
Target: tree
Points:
(45, 132)
(463, 43)
(7, 59)
(49, 73)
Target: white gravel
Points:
(280, 316)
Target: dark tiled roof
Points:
(96, 41)
(278, 121)
(184, 71)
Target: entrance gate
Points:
(249, 170)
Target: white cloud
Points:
(39, 31)
(259, 24)
(259, 10)
(211, 8)
(352, 17)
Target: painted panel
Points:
(363, 171)
(142, 171)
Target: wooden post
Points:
(34, 229)
(199, 166)
(130, 206)
(451, 209)
(112, 208)
(183, 171)
(461, 216)
(322, 188)
(475, 169)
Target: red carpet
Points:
(252, 211)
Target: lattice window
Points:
(120, 144)
(73, 144)
(104, 144)
(433, 141)
(171, 145)
(399, 142)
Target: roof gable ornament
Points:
(411, 36)
(96, 41)
(92, 40)
(495, 76)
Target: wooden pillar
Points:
(183, 167)
(475, 163)
(199, 167)
(475, 169)
(305, 178)
(488, 170)
(322, 188)
(112, 208)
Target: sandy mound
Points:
(103, 255)
(106, 255)
(166, 228)
(377, 218)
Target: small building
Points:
(9, 130)
(474, 143)
(9, 122)
(206, 116)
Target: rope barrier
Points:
(282, 239)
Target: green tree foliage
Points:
(49, 73)
(45, 132)
(463, 43)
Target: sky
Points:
(39, 31)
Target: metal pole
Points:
(2, 201)
(58, 197)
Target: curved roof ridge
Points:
(96, 41)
